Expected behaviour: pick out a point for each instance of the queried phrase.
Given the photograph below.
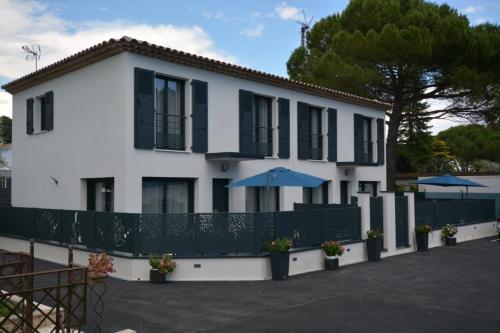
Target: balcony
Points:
(170, 131)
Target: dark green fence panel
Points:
(5, 220)
(265, 224)
(342, 224)
(401, 204)
(115, 231)
(224, 233)
(47, 225)
(377, 213)
(304, 227)
(23, 222)
(78, 228)
(425, 213)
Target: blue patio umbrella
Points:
(449, 180)
(279, 177)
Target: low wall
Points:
(236, 268)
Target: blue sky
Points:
(259, 34)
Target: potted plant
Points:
(280, 257)
(100, 265)
(167, 265)
(332, 251)
(448, 232)
(374, 244)
(155, 274)
(422, 236)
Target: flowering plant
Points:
(100, 265)
(374, 233)
(280, 245)
(423, 229)
(332, 248)
(167, 265)
(449, 231)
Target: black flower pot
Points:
(422, 241)
(280, 263)
(331, 264)
(450, 241)
(374, 248)
(155, 276)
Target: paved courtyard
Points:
(449, 289)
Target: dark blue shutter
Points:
(144, 109)
(358, 138)
(284, 127)
(380, 142)
(200, 116)
(49, 110)
(303, 130)
(29, 116)
(332, 135)
(246, 122)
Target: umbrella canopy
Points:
(449, 180)
(279, 177)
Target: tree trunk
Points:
(391, 146)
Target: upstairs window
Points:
(170, 114)
(363, 139)
(367, 140)
(263, 128)
(315, 134)
(40, 113)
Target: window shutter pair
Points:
(303, 145)
(49, 113)
(380, 142)
(332, 135)
(144, 112)
(358, 138)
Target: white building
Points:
(134, 127)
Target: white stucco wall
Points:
(93, 137)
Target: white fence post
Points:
(364, 203)
(411, 218)
(389, 221)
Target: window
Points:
(262, 199)
(316, 195)
(263, 128)
(167, 195)
(367, 140)
(367, 186)
(40, 113)
(315, 134)
(169, 111)
(100, 194)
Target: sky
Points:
(260, 34)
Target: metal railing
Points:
(316, 146)
(368, 151)
(263, 140)
(182, 234)
(170, 133)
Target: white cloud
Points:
(481, 20)
(5, 104)
(438, 125)
(254, 32)
(30, 22)
(471, 9)
(218, 15)
(286, 12)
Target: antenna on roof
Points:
(304, 27)
(33, 52)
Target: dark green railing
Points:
(182, 234)
(461, 212)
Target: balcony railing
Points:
(316, 146)
(170, 131)
(263, 140)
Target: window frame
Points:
(316, 152)
(165, 181)
(165, 114)
(109, 204)
(269, 130)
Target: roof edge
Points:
(112, 47)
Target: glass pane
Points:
(250, 204)
(177, 198)
(306, 195)
(267, 199)
(317, 195)
(153, 197)
(104, 196)
(160, 111)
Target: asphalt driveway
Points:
(449, 289)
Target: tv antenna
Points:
(33, 52)
(304, 27)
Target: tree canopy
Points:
(404, 52)
(5, 130)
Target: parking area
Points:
(448, 289)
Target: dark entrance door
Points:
(344, 192)
(220, 195)
(401, 221)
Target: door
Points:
(220, 195)
(402, 221)
(344, 192)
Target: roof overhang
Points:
(232, 157)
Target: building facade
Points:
(127, 126)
